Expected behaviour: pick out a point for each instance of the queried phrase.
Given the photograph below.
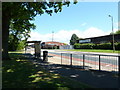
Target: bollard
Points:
(71, 60)
(61, 58)
(45, 56)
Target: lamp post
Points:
(112, 33)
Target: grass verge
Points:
(20, 72)
(18, 51)
(95, 50)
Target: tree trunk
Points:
(5, 35)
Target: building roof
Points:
(33, 41)
(54, 43)
(99, 37)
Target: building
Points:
(66, 47)
(100, 39)
(51, 45)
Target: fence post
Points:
(71, 60)
(118, 65)
(61, 58)
(99, 64)
(83, 61)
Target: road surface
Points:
(109, 63)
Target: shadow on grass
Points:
(20, 72)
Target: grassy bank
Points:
(95, 50)
(20, 72)
(18, 51)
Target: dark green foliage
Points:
(21, 45)
(97, 46)
(18, 35)
(103, 46)
(73, 39)
(117, 46)
(117, 32)
(13, 46)
(76, 46)
(83, 46)
(17, 16)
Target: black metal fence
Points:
(91, 61)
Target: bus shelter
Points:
(37, 48)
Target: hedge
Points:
(83, 46)
(103, 46)
(96, 46)
(117, 46)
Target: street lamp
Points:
(112, 33)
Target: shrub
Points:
(83, 46)
(117, 46)
(104, 46)
(86, 46)
(76, 46)
(21, 45)
(96, 46)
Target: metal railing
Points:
(99, 62)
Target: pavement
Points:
(93, 78)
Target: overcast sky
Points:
(85, 19)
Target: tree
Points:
(21, 13)
(117, 32)
(19, 34)
(74, 39)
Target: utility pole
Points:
(52, 38)
(52, 35)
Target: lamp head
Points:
(109, 15)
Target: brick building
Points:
(100, 39)
(51, 45)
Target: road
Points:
(91, 59)
(105, 59)
(108, 61)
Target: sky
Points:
(85, 19)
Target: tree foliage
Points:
(74, 39)
(19, 15)
(19, 34)
(117, 32)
